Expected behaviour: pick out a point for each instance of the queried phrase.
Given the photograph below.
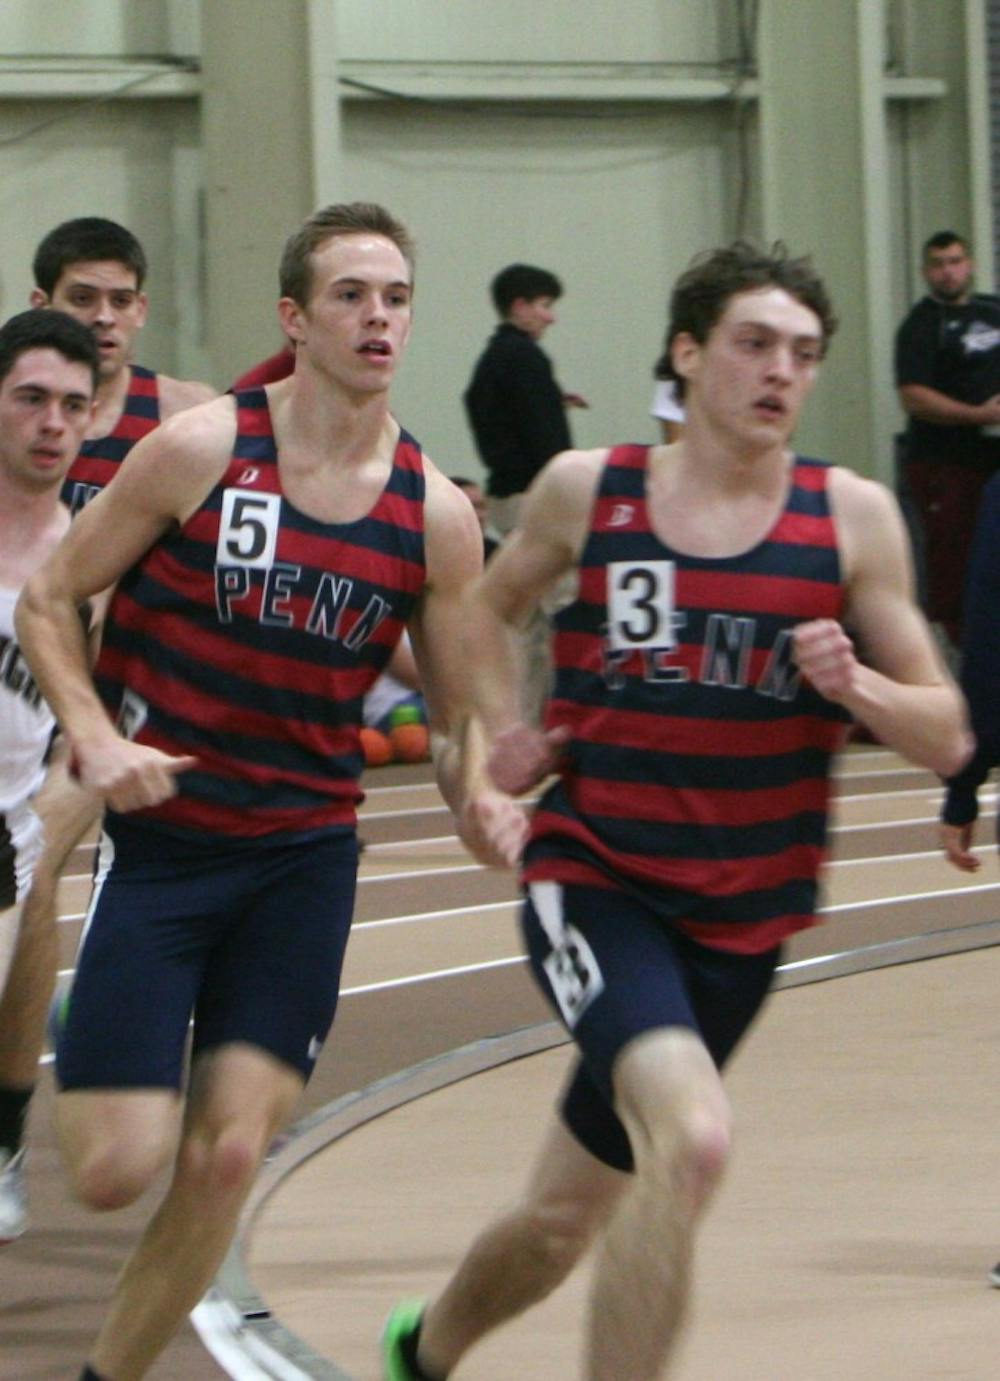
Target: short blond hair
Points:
(345, 218)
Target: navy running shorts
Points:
(247, 938)
(613, 969)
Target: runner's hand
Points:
(523, 756)
(493, 827)
(956, 840)
(825, 654)
(129, 776)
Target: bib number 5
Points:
(248, 529)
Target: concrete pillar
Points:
(824, 170)
(270, 131)
(978, 115)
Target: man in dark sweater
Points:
(517, 413)
(948, 376)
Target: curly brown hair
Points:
(705, 287)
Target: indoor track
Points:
(850, 1239)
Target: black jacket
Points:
(515, 410)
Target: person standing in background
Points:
(668, 401)
(517, 413)
(947, 363)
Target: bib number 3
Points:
(641, 605)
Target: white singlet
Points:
(26, 725)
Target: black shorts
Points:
(249, 940)
(613, 969)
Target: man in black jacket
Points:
(517, 413)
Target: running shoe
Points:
(58, 1012)
(13, 1196)
(995, 1275)
(401, 1324)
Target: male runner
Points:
(704, 676)
(268, 549)
(48, 375)
(94, 270)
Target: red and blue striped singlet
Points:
(698, 771)
(250, 635)
(99, 459)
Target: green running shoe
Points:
(58, 1012)
(401, 1324)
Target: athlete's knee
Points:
(705, 1137)
(222, 1160)
(688, 1146)
(677, 1116)
(115, 1145)
(106, 1176)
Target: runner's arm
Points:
(490, 824)
(905, 696)
(161, 482)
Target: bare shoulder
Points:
(575, 473)
(442, 493)
(452, 533)
(561, 498)
(857, 499)
(183, 458)
(870, 528)
(205, 427)
(177, 395)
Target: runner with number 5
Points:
(268, 550)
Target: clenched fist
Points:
(825, 654)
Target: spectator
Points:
(517, 413)
(948, 376)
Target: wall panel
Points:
(615, 204)
(119, 161)
(526, 31)
(101, 28)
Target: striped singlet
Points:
(698, 772)
(250, 635)
(99, 459)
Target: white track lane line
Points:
(839, 863)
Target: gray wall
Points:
(607, 143)
(99, 116)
